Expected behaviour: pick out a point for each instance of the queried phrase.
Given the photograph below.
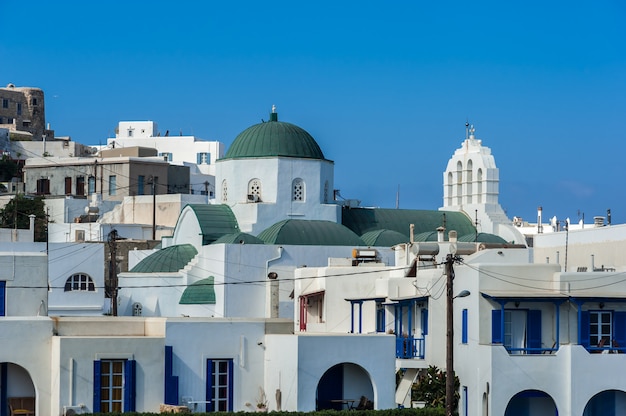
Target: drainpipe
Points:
(274, 285)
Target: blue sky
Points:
(385, 89)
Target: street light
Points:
(450, 259)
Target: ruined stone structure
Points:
(22, 111)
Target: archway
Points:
(15, 382)
(342, 386)
(531, 402)
(606, 403)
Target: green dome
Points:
(383, 238)
(310, 232)
(482, 238)
(167, 260)
(238, 238)
(274, 139)
(199, 293)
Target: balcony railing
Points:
(409, 347)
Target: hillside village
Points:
(178, 272)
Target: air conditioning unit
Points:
(73, 410)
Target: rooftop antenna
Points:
(398, 197)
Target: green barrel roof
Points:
(170, 259)
(383, 238)
(215, 221)
(272, 139)
(199, 293)
(310, 233)
(482, 238)
(362, 220)
(238, 238)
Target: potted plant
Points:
(261, 401)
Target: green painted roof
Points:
(199, 293)
(215, 221)
(362, 220)
(170, 259)
(309, 233)
(272, 139)
(428, 236)
(482, 238)
(383, 238)
(238, 238)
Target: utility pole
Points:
(449, 336)
(153, 208)
(112, 241)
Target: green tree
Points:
(8, 168)
(16, 214)
(431, 388)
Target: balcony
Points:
(410, 348)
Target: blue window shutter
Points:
(171, 381)
(464, 327)
(129, 385)
(198, 158)
(3, 286)
(584, 329)
(425, 321)
(96, 386)
(209, 386)
(496, 326)
(230, 385)
(619, 330)
(534, 329)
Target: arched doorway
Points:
(606, 403)
(531, 403)
(342, 386)
(15, 383)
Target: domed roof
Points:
(167, 260)
(383, 238)
(273, 139)
(482, 238)
(199, 293)
(310, 232)
(238, 238)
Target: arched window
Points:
(468, 178)
(450, 189)
(80, 282)
(459, 183)
(254, 190)
(224, 191)
(326, 192)
(479, 186)
(297, 190)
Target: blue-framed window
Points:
(141, 179)
(167, 156)
(464, 327)
(519, 330)
(3, 288)
(380, 317)
(219, 385)
(112, 185)
(91, 185)
(603, 329)
(203, 158)
(114, 385)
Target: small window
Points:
(297, 190)
(80, 282)
(79, 236)
(19, 109)
(5, 103)
(1, 120)
(25, 123)
(203, 158)
(33, 101)
(80, 185)
(130, 133)
(91, 186)
(254, 190)
(112, 185)
(464, 327)
(140, 184)
(10, 120)
(224, 191)
(137, 309)
(167, 156)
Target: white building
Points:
(199, 155)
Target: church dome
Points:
(274, 139)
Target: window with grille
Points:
(219, 385)
(80, 282)
(297, 190)
(224, 191)
(114, 386)
(254, 190)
